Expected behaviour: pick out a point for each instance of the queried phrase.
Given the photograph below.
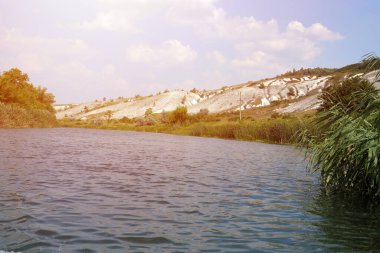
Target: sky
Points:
(82, 50)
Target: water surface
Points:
(78, 190)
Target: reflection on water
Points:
(347, 224)
(75, 190)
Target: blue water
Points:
(78, 190)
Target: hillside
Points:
(299, 89)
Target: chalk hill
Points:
(301, 90)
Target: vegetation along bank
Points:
(22, 104)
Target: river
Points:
(83, 190)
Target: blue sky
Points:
(89, 49)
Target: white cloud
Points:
(170, 52)
(37, 53)
(60, 64)
(108, 70)
(321, 32)
(141, 53)
(295, 46)
(207, 20)
(124, 16)
(256, 59)
(74, 58)
(114, 20)
(72, 68)
(296, 26)
(316, 31)
(217, 57)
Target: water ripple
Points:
(76, 190)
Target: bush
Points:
(179, 115)
(291, 92)
(148, 112)
(16, 116)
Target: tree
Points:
(15, 88)
(148, 112)
(108, 115)
(45, 98)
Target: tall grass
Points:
(347, 151)
(267, 130)
(278, 130)
(14, 116)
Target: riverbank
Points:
(14, 116)
(274, 128)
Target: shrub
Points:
(291, 92)
(126, 120)
(203, 112)
(179, 115)
(275, 115)
(16, 116)
(148, 112)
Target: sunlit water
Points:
(73, 190)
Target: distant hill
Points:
(300, 87)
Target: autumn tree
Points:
(15, 88)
